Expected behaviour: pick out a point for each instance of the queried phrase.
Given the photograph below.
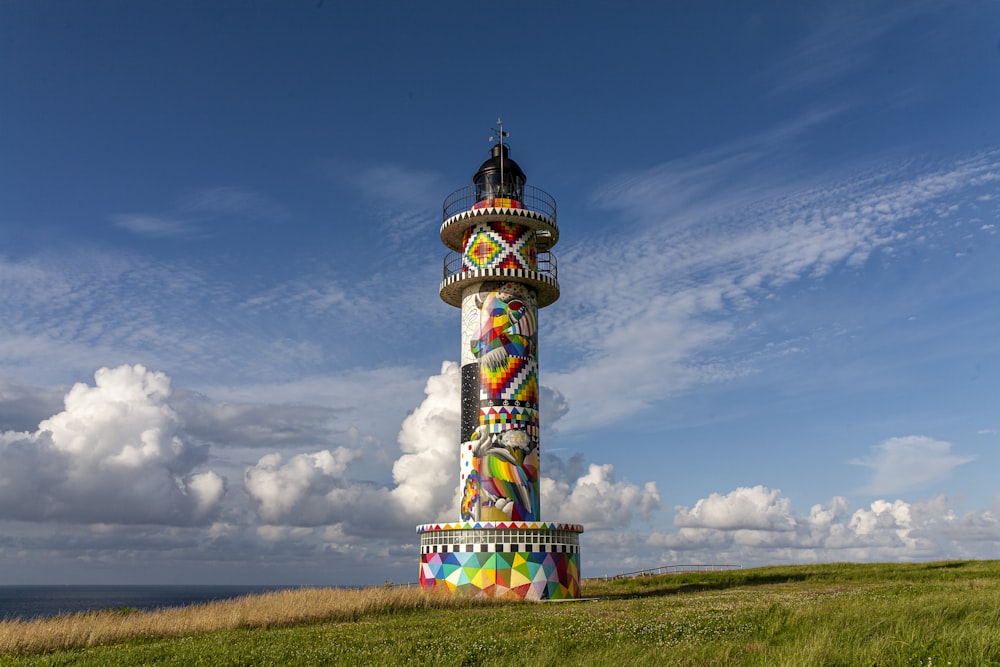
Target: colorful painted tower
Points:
(501, 271)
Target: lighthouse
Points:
(499, 272)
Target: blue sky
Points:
(223, 358)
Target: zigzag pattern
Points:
(501, 525)
(501, 418)
(498, 210)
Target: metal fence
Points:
(533, 199)
(546, 264)
(670, 569)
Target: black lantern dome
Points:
(499, 176)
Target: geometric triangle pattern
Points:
(499, 245)
(500, 418)
(529, 575)
(500, 525)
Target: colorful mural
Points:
(498, 202)
(500, 461)
(529, 575)
(499, 245)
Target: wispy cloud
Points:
(839, 45)
(153, 226)
(404, 202)
(904, 463)
(229, 201)
(648, 312)
(68, 312)
(200, 212)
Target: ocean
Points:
(29, 602)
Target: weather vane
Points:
(500, 134)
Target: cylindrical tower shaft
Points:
(499, 429)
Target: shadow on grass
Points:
(679, 584)
(665, 588)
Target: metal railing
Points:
(670, 569)
(533, 199)
(546, 264)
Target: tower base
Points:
(516, 559)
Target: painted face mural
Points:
(500, 452)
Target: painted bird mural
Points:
(508, 327)
(505, 466)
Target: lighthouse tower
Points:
(500, 272)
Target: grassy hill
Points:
(834, 614)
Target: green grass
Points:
(837, 614)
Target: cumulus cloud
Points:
(314, 489)
(116, 453)
(757, 526)
(130, 450)
(754, 508)
(598, 500)
(426, 475)
(903, 463)
(281, 489)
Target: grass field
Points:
(945, 613)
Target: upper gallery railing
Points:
(531, 198)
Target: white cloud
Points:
(597, 500)
(756, 508)
(903, 463)
(283, 490)
(310, 490)
(116, 453)
(738, 528)
(426, 475)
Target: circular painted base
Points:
(515, 561)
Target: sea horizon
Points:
(33, 601)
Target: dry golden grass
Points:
(280, 608)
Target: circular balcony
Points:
(466, 206)
(544, 280)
